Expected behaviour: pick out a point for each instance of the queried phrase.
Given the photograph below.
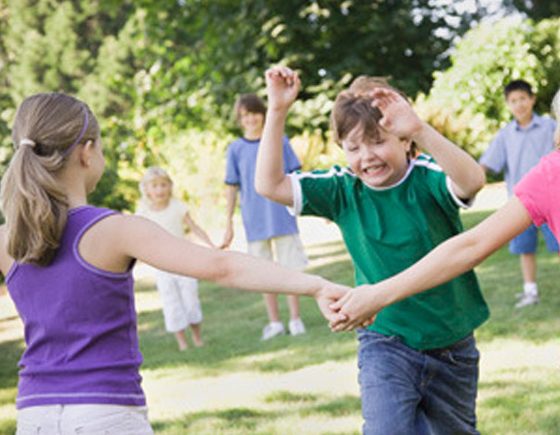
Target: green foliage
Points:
(158, 73)
(466, 102)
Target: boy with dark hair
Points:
(268, 226)
(517, 148)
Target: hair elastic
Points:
(81, 135)
(27, 142)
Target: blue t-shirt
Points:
(516, 150)
(262, 218)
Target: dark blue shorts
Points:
(526, 242)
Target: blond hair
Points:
(46, 128)
(152, 173)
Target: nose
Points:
(367, 153)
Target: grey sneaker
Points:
(296, 327)
(272, 330)
(527, 299)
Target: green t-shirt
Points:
(387, 230)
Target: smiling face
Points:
(520, 103)
(252, 123)
(158, 192)
(378, 161)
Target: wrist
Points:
(421, 133)
(319, 285)
(277, 111)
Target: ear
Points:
(86, 153)
(407, 144)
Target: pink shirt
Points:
(539, 191)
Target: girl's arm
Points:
(400, 119)
(448, 260)
(199, 232)
(282, 86)
(120, 239)
(5, 260)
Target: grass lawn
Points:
(236, 384)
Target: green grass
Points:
(237, 384)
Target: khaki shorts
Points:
(285, 250)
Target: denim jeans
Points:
(409, 392)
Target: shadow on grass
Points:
(529, 407)
(11, 352)
(233, 321)
(7, 427)
(246, 420)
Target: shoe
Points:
(272, 330)
(527, 299)
(296, 327)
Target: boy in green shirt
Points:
(418, 361)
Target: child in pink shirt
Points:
(536, 198)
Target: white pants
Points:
(179, 298)
(83, 419)
(288, 251)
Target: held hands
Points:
(357, 308)
(399, 117)
(282, 87)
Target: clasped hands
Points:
(346, 308)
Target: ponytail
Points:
(35, 205)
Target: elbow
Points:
(264, 188)
(477, 182)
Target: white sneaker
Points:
(527, 299)
(296, 327)
(272, 330)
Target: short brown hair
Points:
(252, 103)
(353, 107)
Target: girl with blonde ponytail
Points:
(68, 270)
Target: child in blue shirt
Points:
(268, 226)
(517, 148)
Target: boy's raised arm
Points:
(399, 118)
(282, 85)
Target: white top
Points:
(170, 218)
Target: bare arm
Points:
(199, 232)
(448, 260)
(282, 86)
(5, 260)
(400, 119)
(136, 237)
(466, 174)
(231, 200)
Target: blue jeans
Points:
(409, 392)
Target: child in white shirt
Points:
(179, 294)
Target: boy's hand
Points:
(327, 296)
(228, 237)
(399, 117)
(358, 308)
(282, 87)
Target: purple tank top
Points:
(80, 327)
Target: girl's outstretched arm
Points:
(282, 85)
(136, 237)
(400, 119)
(448, 260)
